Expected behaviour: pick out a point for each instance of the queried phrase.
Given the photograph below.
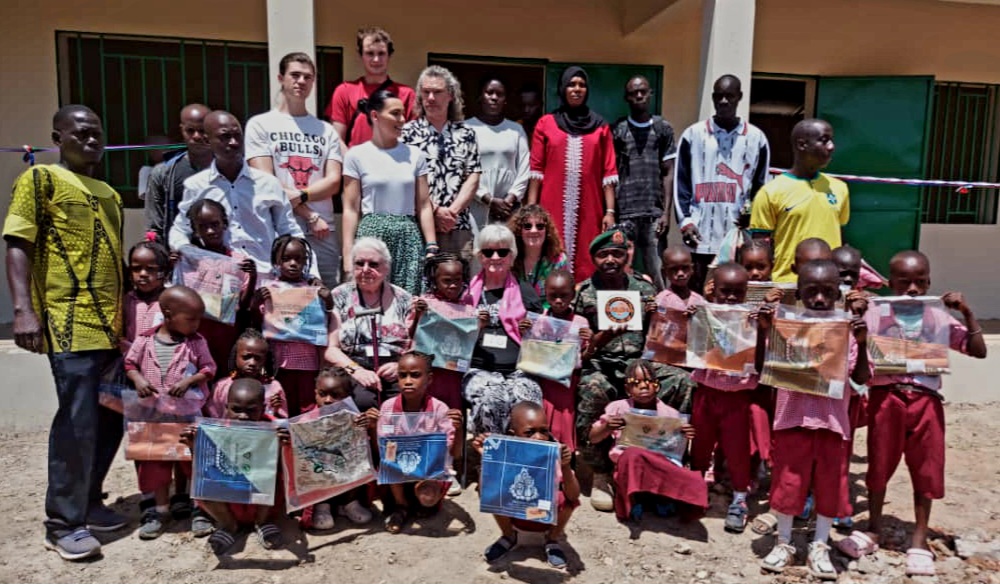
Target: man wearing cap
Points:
(609, 352)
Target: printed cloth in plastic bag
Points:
(235, 462)
(550, 349)
(644, 429)
(912, 335)
(217, 278)
(722, 337)
(449, 332)
(411, 448)
(519, 478)
(153, 425)
(295, 314)
(666, 341)
(808, 352)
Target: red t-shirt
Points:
(344, 103)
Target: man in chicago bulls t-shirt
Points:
(375, 48)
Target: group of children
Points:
(805, 440)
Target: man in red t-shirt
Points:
(375, 48)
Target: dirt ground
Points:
(447, 548)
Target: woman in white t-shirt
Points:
(304, 153)
(386, 194)
(505, 155)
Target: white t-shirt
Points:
(388, 177)
(504, 153)
(299, 147)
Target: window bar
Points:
(163, 95)
(125, 153)
(181, 54)
(225, 74)
(79, 68)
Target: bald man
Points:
(802, 202)
(64, 262)
(256, 204)
(721, 164)
(166, 182)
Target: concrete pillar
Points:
(726, 47)
(290, 28)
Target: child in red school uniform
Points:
(209, 224)
(558, 400)
(333, 385)
(721, 410)
(811, 432)
(528, 420)
(297, 362)
(244, 402)
(405, 500)
(250, 358)
(170, 359)
(906, 414)
(642, 477)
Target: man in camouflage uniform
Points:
(609, 352)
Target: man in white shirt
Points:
(256, 204)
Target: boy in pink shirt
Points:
(811, 432)
(907, 414)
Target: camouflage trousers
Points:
(602, 382)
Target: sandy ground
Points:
(448, 547)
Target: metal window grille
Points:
(964, 144)
(138, 84)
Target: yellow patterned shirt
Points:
(75, 224)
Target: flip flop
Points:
(220, 541)
(920, 562)
(857, 544)
(764, 524)
(394, 523)
(269, 536)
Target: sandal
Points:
(780, 556)
(269, 536)
(220, 541)
(499, 548)
(819, 562)
(920, 562)
(764, 524)
(857, 544)
(555, 555)
(736, 518)
(395, 521)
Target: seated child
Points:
(245, 402)
(527, 420)
(168, 360)
(641, 474)
(907, 415)
(721, 412)
(811, 431)
(249, 358)
(333, 384)
(421, 497)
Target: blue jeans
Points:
(83, 440)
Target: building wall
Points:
(952, 41)
(514, 28)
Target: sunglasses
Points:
(367, 263)
(533, 226)
(495, 253)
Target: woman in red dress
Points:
(573, 173)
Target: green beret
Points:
(614, 238)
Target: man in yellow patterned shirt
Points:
(802, 202)
(64, 266)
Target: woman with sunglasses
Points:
(539, 249)
(386, 194)
(573, 171)
(493, 384)
(367, 299)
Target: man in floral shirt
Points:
(452, 157)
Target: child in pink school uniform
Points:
(297, 362)
(811, 433)
(906, 414)
(250, 358)
(173, 360)
(642, 477)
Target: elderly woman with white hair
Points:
(493, 384)
(369, 299)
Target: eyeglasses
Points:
(495, 253)
(533, 226)
(367, 263)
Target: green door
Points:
(880, 129)
(606, 86)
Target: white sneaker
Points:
(355, 513)
(322, 517)
(455, 488)
(819, 562)
(600, 493)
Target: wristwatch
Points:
(303, 196)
